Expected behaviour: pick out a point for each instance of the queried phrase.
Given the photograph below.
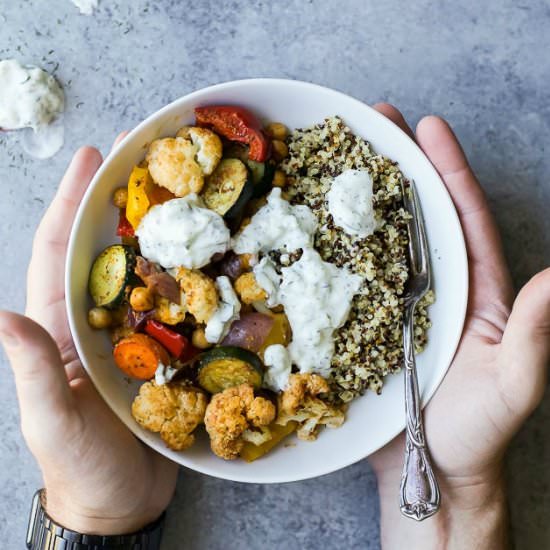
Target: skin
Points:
(496, 379)
(98, 477)
(104, 481)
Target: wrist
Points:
(473, 514)
(85, 520)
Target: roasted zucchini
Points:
(228, 366)
(112, 272)
(262, 172)
(228, 189)
(262, 176)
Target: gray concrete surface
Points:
(483, 65)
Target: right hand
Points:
(98, 477)
(496, 379)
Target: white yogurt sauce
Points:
(182, 232)
(317, 297)
(268, 279)
(164, 374)
(279, 365)
(31, 98)
(277, 225)
(228, 310)
(86, 7)
(350, 203)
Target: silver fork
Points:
(419, 492)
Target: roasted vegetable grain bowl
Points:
(115, 284)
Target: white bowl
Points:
(372, 420)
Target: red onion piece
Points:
(158, 281)
(249, 332)
(231, 265)
(137, 319)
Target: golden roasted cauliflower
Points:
(299, 402)
(173, 410)
(208, 146)
(201, 296)
(248, 289)
(172, 165)
(169, 312)
(234, 416)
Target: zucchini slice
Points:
(262, 176)
(111, 273)
(227, 366)
(262, 172)
(228, 189)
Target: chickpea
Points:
(279, 178)
(276, 130)
(198, 339)
(280, 150)
(141, 299)
(120, 197)
(99, 318)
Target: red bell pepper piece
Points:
(177, 344)
(236, 124)
(124, 228)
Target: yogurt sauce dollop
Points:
(32, 98)
(182, 232)
(277, 225)
(350, 203)
(317, 297)
(228, 310)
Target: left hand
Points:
(98, 477)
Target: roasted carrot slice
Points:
(139, 356)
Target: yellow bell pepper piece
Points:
(140, 185)
(251, 452)
(279, 334)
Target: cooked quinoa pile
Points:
(368, 346)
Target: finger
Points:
(389, 111)
(525, 348)
(118, 139)
(45, 276)
(42, 386)
(490, 280)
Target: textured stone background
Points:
(483, 65)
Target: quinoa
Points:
(369, 345)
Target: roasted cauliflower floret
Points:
(248, 289)
(173, 410)
(172, 165)
(299, 402)
(208, 146)
(201, 296)
(234, 416)
(169, 312)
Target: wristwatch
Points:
(44, 534)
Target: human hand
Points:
(496, 379)
(98, 477)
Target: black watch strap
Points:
(44, 534)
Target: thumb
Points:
(525, 347)
(40, 379)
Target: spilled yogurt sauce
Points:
(86, 7)
(350, 203)
(32, 99)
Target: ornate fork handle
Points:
(419, 493)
